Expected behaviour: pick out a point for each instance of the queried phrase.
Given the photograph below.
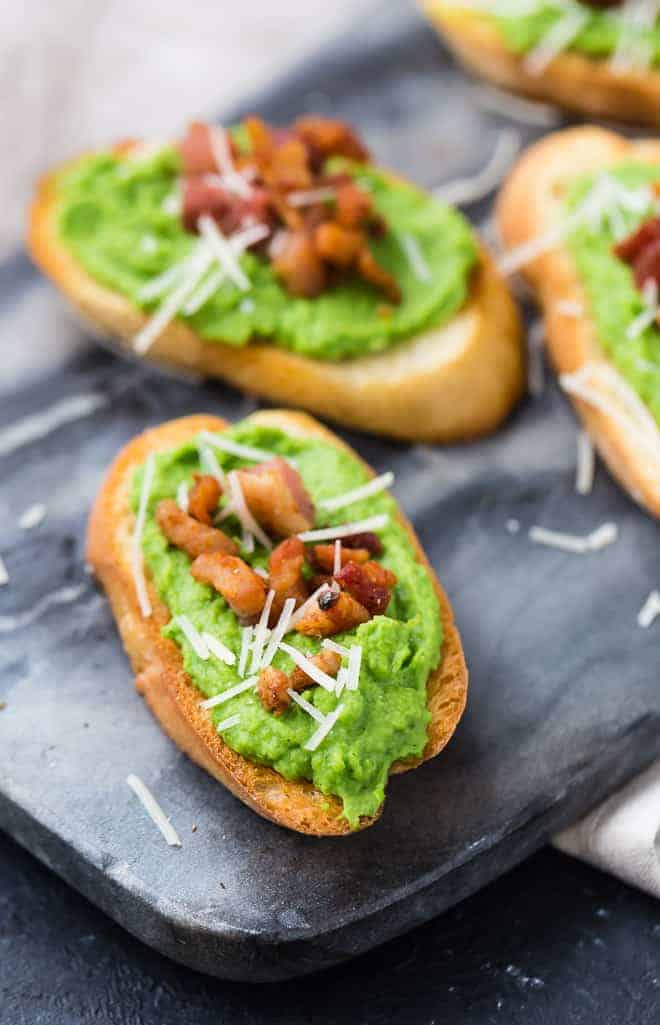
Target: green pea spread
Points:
(599, 36)
(386, 718)
(613, 296)
(113, 216)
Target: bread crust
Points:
(446, 384)
(574, 81)
(530, 203)
(158, 666)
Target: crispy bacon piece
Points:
(323, 556)
(274, 683)
(285, 570)
(206, 194)
(282, 157)
(332, 613)
(375, 275)
(187, 533)
(299, 266)
(368, 540)
(242, 588)
(327, 661)
(354, 206)
(203, 497)
(330, 138)
(277, 498)
(641, 250)
(370, 584)
(272, 690)
(196, 151)
(337, 245)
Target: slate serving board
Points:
(564, 700)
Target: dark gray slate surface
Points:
(564, 701)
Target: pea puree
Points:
(386, 718)
(613, 296)
(598, 38)
(113, 216)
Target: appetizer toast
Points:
(600, 312)
(591, 85)
(126, 542)
(401, 326)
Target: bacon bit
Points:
(354, 206)
(337, 245)
(285, 568)
(368, 540)
(327, 661)
(375, 275)
(203, 497)
(187, 533)
(242, 588)
(298, 265)
(641, 250)
(344, 613)
(370, 584)
(277, 498)
(323, 556)
(206, 194)
(330, 138)
(272, 689)
(197, 152)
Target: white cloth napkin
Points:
(622, 836)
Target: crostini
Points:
(280, 616)
(285, 262)
(579, 218)
(598, 58)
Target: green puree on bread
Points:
(118, 216)
(614, 298)
(385, 719)
(599, 37)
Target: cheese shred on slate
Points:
(600, 538)
(154, 810)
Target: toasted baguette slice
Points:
(576, 82)
(446, 384)
(158, 667)
(530, 204)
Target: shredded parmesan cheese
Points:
(317, 738)
(217, 648)
(279, 630)
(307, 605)
(136, 549)
(261, 632)
(234, 448)
(182, 496)
(204, 292)
(153, 810)
(306, 705)
(649, 611)
(600, 538)
(32, 517)
(372, 523)
(4, 575)
(556, 40)
(634, 51)
(308, 667)
(415, 257)
(246, 641)
(354, 664)
(222, 156)
(172, 304)
(307, 197)
(227, 724)
(649, 314)
(331, 645)
(357, 494)
(211, 465)
(584, 475)
(469, 190)
(194, 638)
(241, 511)
(336, 563)
(239, 688)
(223, 252)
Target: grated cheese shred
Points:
(586, 462)
(372, 523)
(153, 810)
(232, 692)
(372, 487)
